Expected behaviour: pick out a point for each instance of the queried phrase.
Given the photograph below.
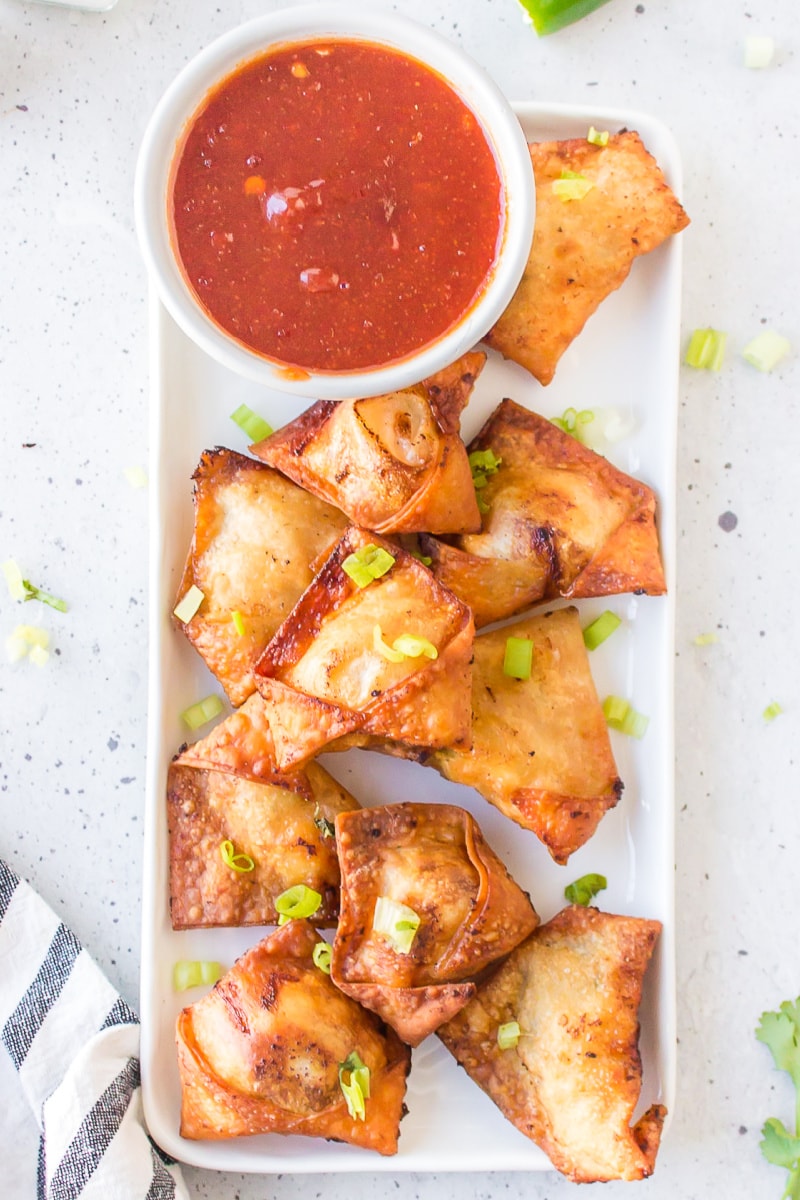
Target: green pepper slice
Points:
(550, 15)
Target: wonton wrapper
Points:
(583, 249)
(393, 463)
(433, 858)
(257, 539)
(561, 521)
(226, 787)
(572, 1081)
(322, 679)
(261, 1052)
(540, 747)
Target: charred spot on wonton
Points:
(432, 860)
(262, 1052)
(583, 249)
(572, 1080)
(560, 521)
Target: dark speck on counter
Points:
(728, 521)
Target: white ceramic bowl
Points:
(187, 92)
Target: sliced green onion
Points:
(508, 1035)
(548, 16)
(772, 711)
(758, 51)
(705, 639)
(39, 656)
(518, 658)
(383, 648)
(188, 973)
(706, 349)
(597, 137)
(600, 629)
(23, 589)
(412, 646)
(321, 956)
(620, 715)
(367, 564)
(396, 922)
(297, 902)
(766, 350)
(354, 1082)
(238, 622)
(571, 186)
(251, 423)
(573, 422)
(136, 477)
(425, 559)
(34, 635)
(202, 712)
(584, 890)
(482, 464)
(237, 861)
(16, 648)
(189, 604)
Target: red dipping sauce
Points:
(336, 206)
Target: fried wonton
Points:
(583, 249)
(328, 672)
(227, 788)
(393, 463)
(572, 1081)
(433, 859)
(560, 521)
(261, 1053)
(257, 539)
(540, 746)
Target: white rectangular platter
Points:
(626, 358)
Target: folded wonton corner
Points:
(433, 859)
(262, 1051)
(572, 1081)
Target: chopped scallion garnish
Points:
(23, 589)
(766, 350)
(597, 137)
(705, 639)
(383, 648)
(136, 476)
(772, 711)
(238, 622)
(251, 423)
(194, 973)
(425, 559)
(396, 922)
(236, 860)
(202, 712)
(706, 349)
(621, 716)
(29, 641)
(600, 629)
(354, 1082)
(297, 902)
(758, 51)
(321, 956)
(482, 464)
(39, 656)
(508, 1035)
(571, 186)
(186, 608)
(584, 890)
(412, 646)
(518, 658)
(367, 564)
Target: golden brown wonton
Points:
(572, 1081)
(561, 521)
(226, 788)
(540, 746)
(261, 1052)
(393, 463)
(583, 249)
(432, 858)
(322, 677)
(257, 537)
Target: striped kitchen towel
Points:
(75, 1043)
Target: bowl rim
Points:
(179, 104)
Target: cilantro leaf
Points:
(780, 1031)
(778, 1145)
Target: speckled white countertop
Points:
(76, 92)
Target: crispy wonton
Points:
(572, 1081)
(226, 788)
(583, 249)
(540, 746)
(326, 673)
(257, 538)
(261, 1052)
(560, 521)
(393, 463)
(433, 859)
